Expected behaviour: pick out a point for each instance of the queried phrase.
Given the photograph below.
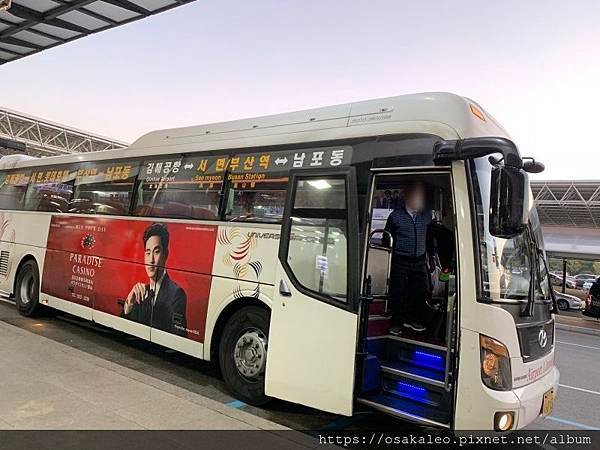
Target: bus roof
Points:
(442, 114)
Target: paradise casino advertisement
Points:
(163, 269)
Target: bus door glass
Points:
(313, 331)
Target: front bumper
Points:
(530, 397)
(525, 402)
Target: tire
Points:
(252, 324)
(563, 305)
(27, 289)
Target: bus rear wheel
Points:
(243, 354)
(27, 289)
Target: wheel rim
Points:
(562, 305)
(27, 288)
(250, 353)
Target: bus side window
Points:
(257, 201)
(13, 186)
(104, 188)
(50, 189)
(172, 188)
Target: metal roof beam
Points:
(125, 4)
(31, 18)
(49, 17)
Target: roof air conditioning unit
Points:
(5, 4)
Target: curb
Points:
(575, 329)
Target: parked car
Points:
(583, 277)
(587, 285)
(592, 301)
(566, 302)
(558, 281)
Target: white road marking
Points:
(578, 345)
(579, 389)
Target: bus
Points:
(263, 245)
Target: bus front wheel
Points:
(27, 289)
(243, 354)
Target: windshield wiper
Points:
(536, 253)
(552, 296)
(527, 311)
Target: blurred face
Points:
(154, 258)
(415, 198)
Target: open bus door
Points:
(314, 320)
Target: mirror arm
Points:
(446, 151)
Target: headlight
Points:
(495, 364)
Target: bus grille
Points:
(529, 340)
(4, 262)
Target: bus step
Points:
(411, 390)
(378, 326)
(377, 308)
(376, 346)
(406, 370)
(371, 376)
(416, 354)
(419, 342)
(407, 409)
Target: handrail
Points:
(450, 329)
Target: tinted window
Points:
(104, 188)
(256, 188)
(257, 201)
(13, 186)
(179, 187)
(50, 189)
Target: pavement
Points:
(60, 372)
(49, 385)
(578, 323)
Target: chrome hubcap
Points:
(250, 353)
(26, 288)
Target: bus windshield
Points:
(506, 264)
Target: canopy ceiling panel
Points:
(30, 26)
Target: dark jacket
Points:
(410, 236)
(168, 313)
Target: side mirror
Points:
(509, 200)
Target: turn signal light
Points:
(476, 112)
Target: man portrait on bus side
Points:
(161, 302)
(410, 284)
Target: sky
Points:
(534, 65)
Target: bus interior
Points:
(409, 374)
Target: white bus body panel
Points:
(22, 234)
(312, 351)
(475, 403)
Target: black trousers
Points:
(409, 287)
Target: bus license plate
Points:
(548, 403)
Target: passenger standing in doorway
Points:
(408, 224)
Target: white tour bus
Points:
(261, 244)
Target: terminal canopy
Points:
(30, 26)
(570, 216)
